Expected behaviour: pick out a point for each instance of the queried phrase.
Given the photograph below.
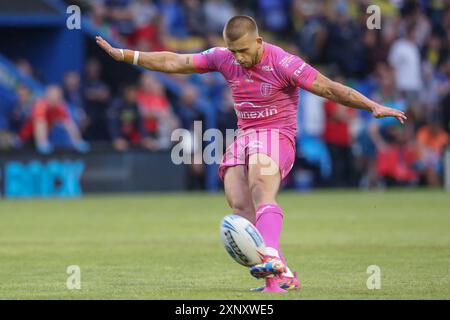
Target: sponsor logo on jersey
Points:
(259, 114)
(267, 68)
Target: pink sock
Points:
(269, 219)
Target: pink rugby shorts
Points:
(266, 141)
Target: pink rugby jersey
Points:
(265, 95)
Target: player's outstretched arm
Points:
(324, 87)
(163, 61)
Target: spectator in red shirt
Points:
(49, 111)
(339, 141)
(397, 160)
(158, 119)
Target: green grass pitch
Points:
(167, 246)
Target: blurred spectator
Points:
(217, 14)
(143, 12)
(99, 18)
(174, 22)
(125, 122)
(48, 112)
(430, 95)
(414, 17)
(343, 32)
(313, 163)
(443, 78)
(431, 140)
(432, 52)
(339, 141)
(13, 118)
(149, 37)
(396, 154)
(189, 107)
(74, 98)
(194, 17)
(96, 97)
(397, 162)
(275, 15)
(21, 111)
(404, 57)
(444, 24)
(377, 135)
(445, 106)
(226, 116)
(311, 28)
(121, 15)
(158, 119)
(149, 31)
(25, 67)
(376, 48)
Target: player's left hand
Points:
(381, 112)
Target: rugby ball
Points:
(242, 240)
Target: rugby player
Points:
(264, 81)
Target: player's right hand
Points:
(113, 52)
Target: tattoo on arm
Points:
(341, 94)
(168, 62)
(347, 98)
(323, 91)
(351, 98)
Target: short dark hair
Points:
(238, 26)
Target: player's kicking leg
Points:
(264, 181)
(239, 198)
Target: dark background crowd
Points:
(405, 64)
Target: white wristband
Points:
(123, 55)
(136, 58)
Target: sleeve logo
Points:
(299, 70)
